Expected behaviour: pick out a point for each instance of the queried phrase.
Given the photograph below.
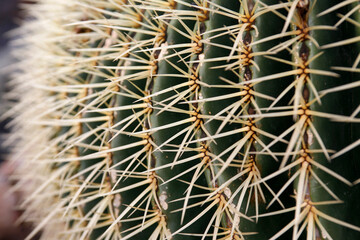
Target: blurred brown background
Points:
(9, 17)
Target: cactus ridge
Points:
(188, 119)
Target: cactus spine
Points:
(189, 119)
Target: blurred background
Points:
(10, 16)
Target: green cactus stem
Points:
(188, 119)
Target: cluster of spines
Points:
(135, 149)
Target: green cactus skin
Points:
(189, 119)
(328, 130)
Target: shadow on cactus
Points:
(180, 119)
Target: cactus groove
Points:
(188, 119)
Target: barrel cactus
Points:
(188, 119)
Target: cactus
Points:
(188, 119)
